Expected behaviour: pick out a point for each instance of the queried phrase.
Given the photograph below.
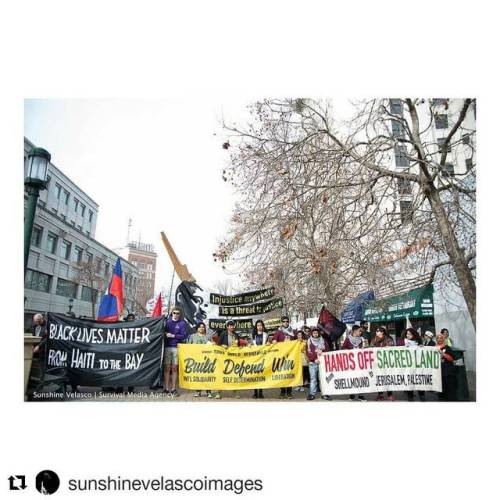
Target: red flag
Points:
(158, 308)
(330, 324)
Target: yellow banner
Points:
(255, 367)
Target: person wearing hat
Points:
(283, 334)
(428, 340)
(316, 345)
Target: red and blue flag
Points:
(111, 304)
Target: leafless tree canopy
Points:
(324, 214)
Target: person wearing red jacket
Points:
(316, 345)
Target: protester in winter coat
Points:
(382, 339)
(354, 340)
(448, 371)
(412, 339)
(316, 345)
(401, 339)
(428, 339)
(229, 338)
(284, 334)
(260, 337)
(303, 358)
(200, 337)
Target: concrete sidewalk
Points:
(146, 394)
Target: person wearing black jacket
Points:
(448, 371)
(229, 337)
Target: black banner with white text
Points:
(106, 354)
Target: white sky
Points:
(146, 159)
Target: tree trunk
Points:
(455, 253)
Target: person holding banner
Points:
(200, 337)
(413, 339)
(284, 333)
(448, 371)
(354, 340)
(176, 332)
(229, 338)
(260, 337)
(305, 362)
(316, 345)
(382, 339)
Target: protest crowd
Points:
(314, 342)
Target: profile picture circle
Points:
(47, 482)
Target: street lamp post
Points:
(35, 180)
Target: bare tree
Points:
(88, 273)
(321, 200)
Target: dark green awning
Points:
(417, 303)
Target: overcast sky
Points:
(157, 162)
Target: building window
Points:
(66, 288)
(440, 143)
(404, 186)
(37, 281)
(51, 245)
(66, 197)
(58, 191)
(397, 128)
(406, 211)
(65, 251)
(106, 269)
(401, 156)
(449, 169)
(88, 294)
(78, 255)
(83, 209)
(36, 236)
(441, 121)
(90, 257)
(396, 106)
(91, 215)
(75, 204)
